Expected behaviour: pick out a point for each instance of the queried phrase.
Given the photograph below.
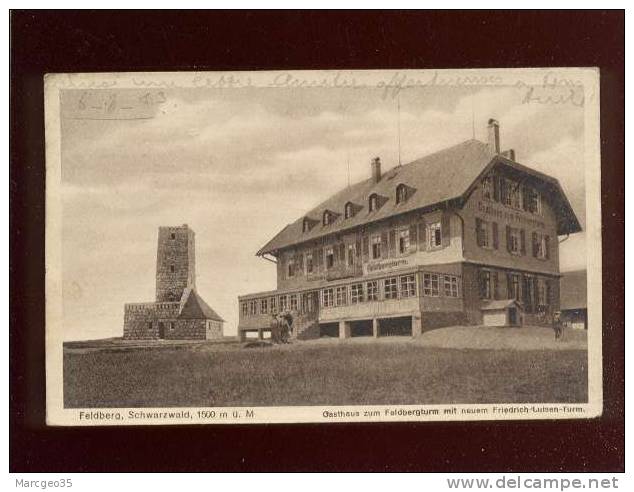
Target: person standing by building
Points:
(557, 326)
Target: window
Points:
(253, 309)
(487, 188)
(245, 309)
(283, 303)
(403, 241)
(451, 286)
(401, 193)
(290, 268)
(356, 293)
(327, 297)
(390, 288)
(376, 247)
(528, 293)
(533, 201)
(348, 210)
(513, 286)
(373, 202)
(309, 263)
(542, 300)
(511, 195)
(171, 326)
(486, 233)
(514, 240)
(485, 284)
(540, 245)
(306, 225)
(372, 288)
(273, 305)
(264, 306)
(352, 252)
(149, 325)
(173, 235)
(326, 220)
(172, 268)
(307, 303)
(293, 302)
(330, 257)
(434, 235)
(342, 296)
(408, 286)
(431, 284)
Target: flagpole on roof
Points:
(398, 121)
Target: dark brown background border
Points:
(54, 41)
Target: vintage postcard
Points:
(323, 246)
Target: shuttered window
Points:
(351, 254)
(486, 234)
(404, 241)
(376, 246)
(540, 245)
(434, 233)
(513, 286)
(330, 257)
(485, 287)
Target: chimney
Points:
(494, 136)
(376, 169)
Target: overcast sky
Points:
(237, 165)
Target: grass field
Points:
(330, 372)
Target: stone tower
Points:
(175, 263)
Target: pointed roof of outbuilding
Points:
(431, 180)
(194, 307)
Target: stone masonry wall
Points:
(175, 263)
(214, 329)
(190, 329)
(140, 322)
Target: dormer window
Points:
(373, 202)
(306, 225)
(401, 193)
(349, 210)
(327, 218)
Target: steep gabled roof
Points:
(439, 177)
(194, 307)
(573, 290)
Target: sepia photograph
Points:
(323, 246)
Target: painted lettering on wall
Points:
(385, 265)
(509, 215)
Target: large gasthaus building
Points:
(466, 235)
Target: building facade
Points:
(178, 311)
(436, 242)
